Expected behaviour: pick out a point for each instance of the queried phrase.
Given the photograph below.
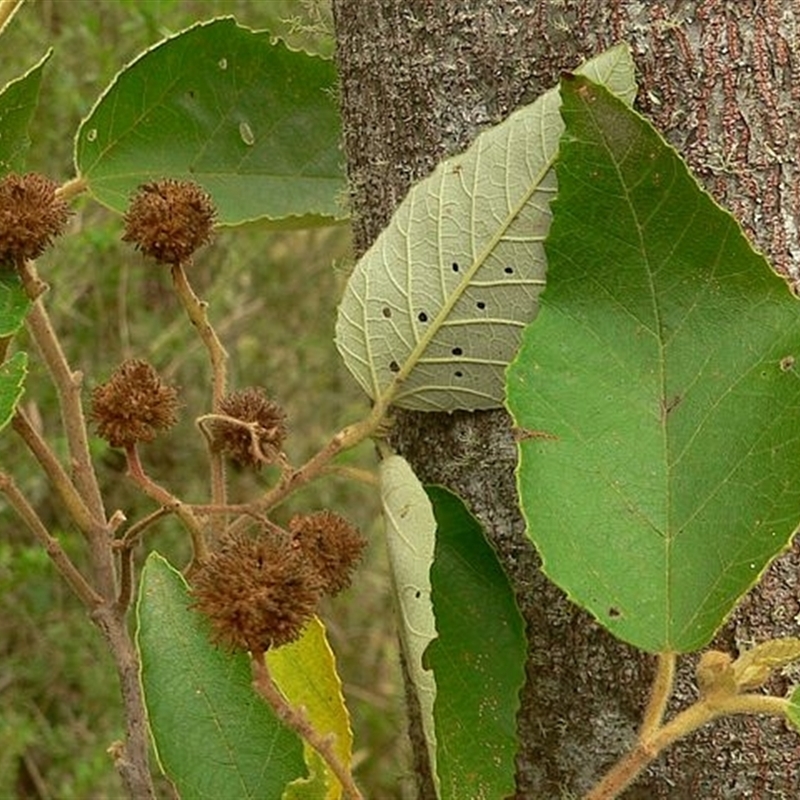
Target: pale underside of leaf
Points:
(434, 311)
(410, 541)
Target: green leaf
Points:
(434, 311)
(478, 658)
(14, 302)
(255, 123)
(657, 394)
(410, 542)
(305, 671)
(215, 738)
(12, 385)
(18, 101)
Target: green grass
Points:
(272, 298)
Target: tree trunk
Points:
(419, 79)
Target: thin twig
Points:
(625, 771)
(345, 439)
(660, 692)
(72, 188)
(299, 722)
(197, 312)
(69, 495)
(68, 386)
(126, 561)
(164, 498)
(71, 574)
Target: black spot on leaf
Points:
(457, 351)
(455, 267)
(480, 305)
(509, 270)
(386, 311)
(422, 316)
(394, 366)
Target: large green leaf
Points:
(18, 100)
(658, 391)
(433, 312)
(215, 738)
(255, 123)
(410, 543)
(12, 382)
(478, 658)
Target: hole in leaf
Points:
(457, 351)
(422, 316)
(394, 366)
(246, 133)
(386, 311)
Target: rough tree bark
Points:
(419, 79)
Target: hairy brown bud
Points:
(259, 440)
(168, 220)
(133, 405)
(31, 216)
(330, 544)
(256, 593)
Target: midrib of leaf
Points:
(392, 389)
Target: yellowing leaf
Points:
(305, 671)
(754, 667)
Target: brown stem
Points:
(72, 188)
(125, 547)
(68, 387)
(660, 692)
(164, 498)
(131, 758)
(71, 574)
(299, 722)
(59, 479)
(197, 312)
(625, 771)
(345, 439)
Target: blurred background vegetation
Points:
(272, 298)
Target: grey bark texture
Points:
(419, 79)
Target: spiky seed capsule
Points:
(133, 405)
(168, 220)
(31, 216)
(331, 545)
(256, 593)
(259, 442)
